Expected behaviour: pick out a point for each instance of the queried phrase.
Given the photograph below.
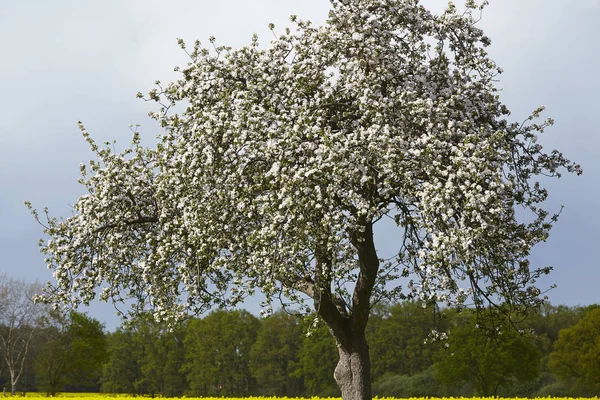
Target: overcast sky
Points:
(64, 61)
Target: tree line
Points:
(415, 351)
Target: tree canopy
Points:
(577, 351)
(285, 158)
(218, 353)
(396, 335)
(488, 361)
(274, 356)
(72, 353)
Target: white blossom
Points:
(285, 157)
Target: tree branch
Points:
(369, 266)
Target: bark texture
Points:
(353, 371)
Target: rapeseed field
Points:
(98, 396)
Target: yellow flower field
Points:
(96, 396)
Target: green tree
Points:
(549, 320)
(487, 360)
(174, 380)
(162, 357)
(316, 360)
(396, 338)
(576, 354)
(284, 160)
(122, 370)
(50, 361)
(72, 354)
(274, 356)
(217, 353)
(146, 357)
(423, 384)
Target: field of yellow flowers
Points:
(97, 396)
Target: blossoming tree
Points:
(285, 158)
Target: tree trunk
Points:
(353, 371)
(13, 383)
(347, 322)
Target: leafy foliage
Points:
(396, 337)
(146, 358)
(488, 360)
(577, 351)
(274, 356)
(218, 353)
(72, 353)
(316, 361)
(123, 369)
(423, 384)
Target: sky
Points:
(70, 60)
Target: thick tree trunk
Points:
(347, 321)
(353, 371)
